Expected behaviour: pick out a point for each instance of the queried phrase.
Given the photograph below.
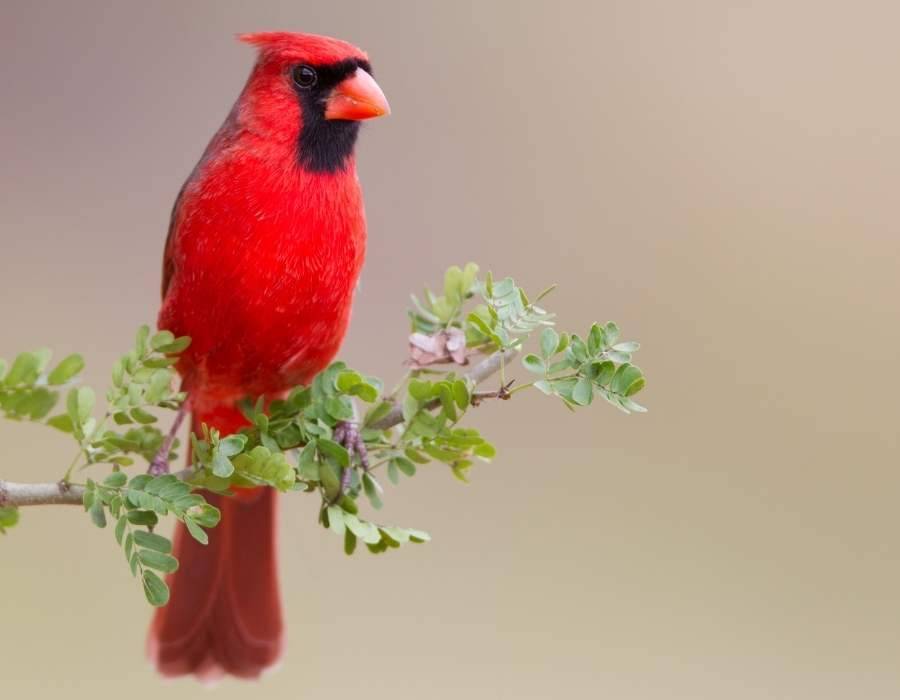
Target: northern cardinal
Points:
(265, 246)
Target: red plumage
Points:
(265, 246)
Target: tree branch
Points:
(60, 493)
(476, 375)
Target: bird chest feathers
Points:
(281, 253)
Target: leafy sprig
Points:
(575, 370)
(139, 503)
(298, 442)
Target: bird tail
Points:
(224, 613)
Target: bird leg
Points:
(160, 463)
(346, 434)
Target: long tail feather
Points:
(224, 614)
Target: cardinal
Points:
(265, 246)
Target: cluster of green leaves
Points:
(434, 313)
(344, 522)
(299, 442)
(305, 422)
(507, 316)
(29, 390)
(136, 505)
(142, 379)
(499, 322)
(575, 370)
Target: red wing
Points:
(168, 263)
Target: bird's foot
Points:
(346, 434)
(159, 465)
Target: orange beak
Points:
(355, 98)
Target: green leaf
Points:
(159, 386)
(155, 589)
(611, 331)
(634, 388)
(420, 390)
(470, 273)
(378, 412)
(205, 514)
(151, 540)
(453, 284)
(98, 514)
(578, 349)
(371, 488)
(549, 343)
(393, 473)
(583, 392)
(161, 340)
(196, 531)
(65, 370)
(366, 392)
(535, 364)
(349, 542)
(596, 339)
(140, 341)
(418, 536)
(221, 465)
(544, 386)
(24, 370)
(142, 416)
(405, 466)
(336, 520)
(307, 466)
(445, 393)
(339, 408)
(115, 480)
(142, 517)
(627, 380)
(347, 380)
(156, 560)
(485, 451)
(61, 422)
(79, 404)
(631, 405)
(9, 517)
(363, 529)
(120, 528)
(334, 451)
(121, 418)
(416, 456)
(177, 346)
(461, 394)
(602, 372)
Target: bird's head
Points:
(313, 91)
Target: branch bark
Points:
(476, 375)
(60, 493)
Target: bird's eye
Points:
(304, 77)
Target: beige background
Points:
(718, 177)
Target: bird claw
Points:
(159, 465)
(346, 434)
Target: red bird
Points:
(265, 246)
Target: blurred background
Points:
(719, 178)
